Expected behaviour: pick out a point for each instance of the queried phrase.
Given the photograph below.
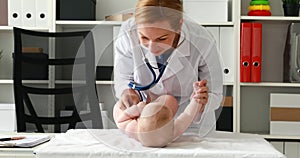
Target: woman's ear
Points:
(180, 25)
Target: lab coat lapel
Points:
(177, 61)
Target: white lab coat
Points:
(195, 58)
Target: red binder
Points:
(245, 56)
(256, 52)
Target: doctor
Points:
(161, 52)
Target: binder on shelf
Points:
(29, 13)
(215, 31)
(43, 13)
(14, 12)
(227, 52)
(256, 52)
(3, 13)
(245, 56)
(291, 68)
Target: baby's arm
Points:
(126, 120)
(184, 120)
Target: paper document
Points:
(27, 141)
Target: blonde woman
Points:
(160, 52)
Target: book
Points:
(32, 50)
(23, 141)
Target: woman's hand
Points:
(128, 98)
(200, 93)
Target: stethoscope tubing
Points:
(155, 80)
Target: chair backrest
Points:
(54, 81)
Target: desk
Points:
(112, 143)
(17, 152)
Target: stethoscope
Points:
(162, 68)
(155, 79)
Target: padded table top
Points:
(107, 143)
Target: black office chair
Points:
(65, 98)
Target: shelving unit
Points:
(253, 99)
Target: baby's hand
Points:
(200, 93)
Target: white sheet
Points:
(112, 143)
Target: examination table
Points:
(108, 143)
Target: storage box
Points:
(119, 17)
(104, 73)
(228, 101)
(76, 9)
(284, 114)
(206, 11)
(33, 71)
(7, 117)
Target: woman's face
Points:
(157, 37)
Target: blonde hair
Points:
(151, 11)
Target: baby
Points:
(153, 124)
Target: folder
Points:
(3, 13)
(256, 52)
(25, 142)
(116, 31)
(28, 13)
(215, 32)
(14, 12)
(43, 13)
(245, 52)
(227, 52)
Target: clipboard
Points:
(26, 142)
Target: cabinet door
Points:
(278, 145)
(292, 149)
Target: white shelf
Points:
(25, 81)
(266, 136)
(270, 18)
(67, 23)
(10, 28)
(86, 24)
(228, 84)
(271, 84)
(218, 24)
(6, 81)
(105, 82)
(79, 82)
